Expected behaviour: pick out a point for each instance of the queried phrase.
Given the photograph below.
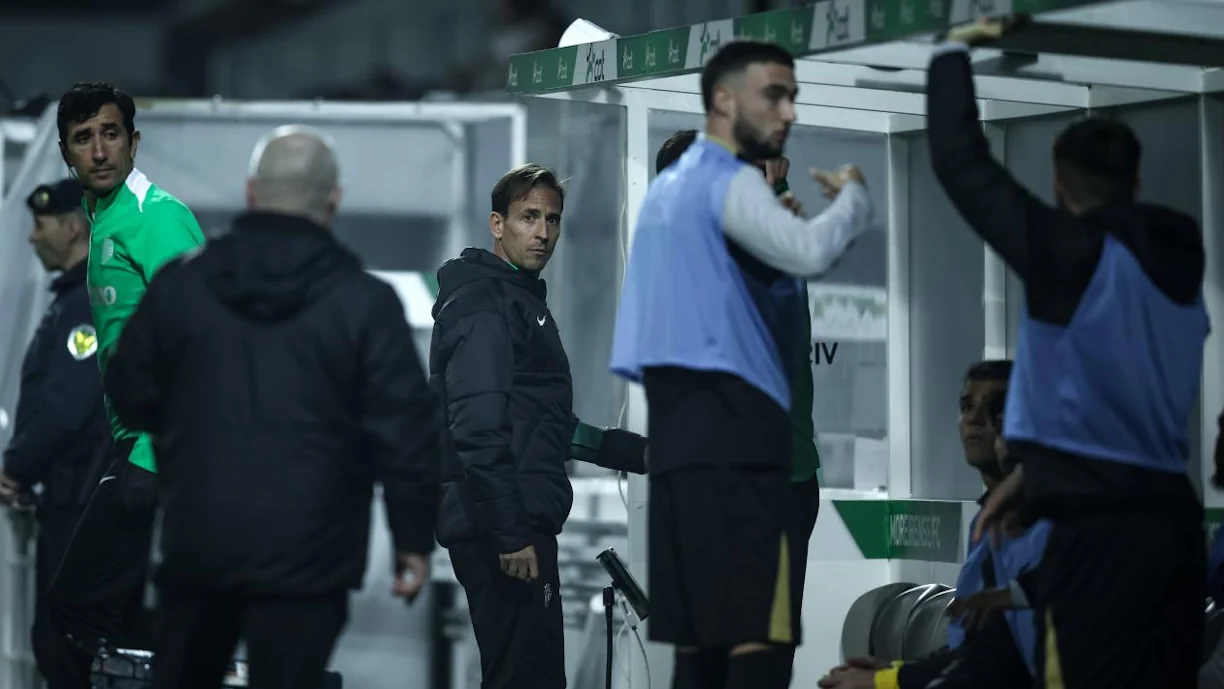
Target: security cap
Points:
(56, 198)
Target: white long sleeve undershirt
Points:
(756, 221)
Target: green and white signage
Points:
(808, 30)
(905, 529)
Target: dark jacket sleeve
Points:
(479, 372)
(1031, 237)
(614, 448)
(916, 674)
(135, 369)
(400, 424)
(54, 408)
(988, 658)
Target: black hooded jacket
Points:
(280, 382)
(498, 362)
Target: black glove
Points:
(137, 497)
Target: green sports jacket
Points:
(137, 228)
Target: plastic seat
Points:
(927, 627)
(856, 628)
(888, 630)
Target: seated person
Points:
(1004, 651)
(984, 637)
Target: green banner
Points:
(809, 30)
(904, 529)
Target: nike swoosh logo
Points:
(541, 320)
(107, 478)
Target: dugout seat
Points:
(888, 629)
(927, 628)
(856, 628)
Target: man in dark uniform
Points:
(60, 438)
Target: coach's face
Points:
(977, 429)
(529, 232)
(763, 109)
(100, 150)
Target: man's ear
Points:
(497, 225)
(724, 100)
(80, 227)
(63, 149)
(135, 144)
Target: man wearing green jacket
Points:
(805, 457)
(96, 596)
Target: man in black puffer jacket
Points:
(498, 362)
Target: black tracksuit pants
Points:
(519, 626)
(289, 640)
(97, 592)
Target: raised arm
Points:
(1024, 231)
(754, 219)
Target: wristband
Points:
(781, 187)
(886, 679)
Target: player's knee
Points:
(698, 668)
(759, 665)
(752, 647)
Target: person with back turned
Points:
(61, 438)
(279, 382)
(707, 323)
(1108, 365)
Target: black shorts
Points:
(805, 508)
(721, 513)
(1120, 601)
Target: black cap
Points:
(59, 197)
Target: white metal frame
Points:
(1211, 141)
(17, 131)
(1055, 69)
(332, 111)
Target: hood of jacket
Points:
(475, 265)
(1170, 245)
(269, 266)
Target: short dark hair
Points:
(734, 58)
(1098, 161)
(518, 183)
(673, 148)
(991, 369)
(86, 98)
